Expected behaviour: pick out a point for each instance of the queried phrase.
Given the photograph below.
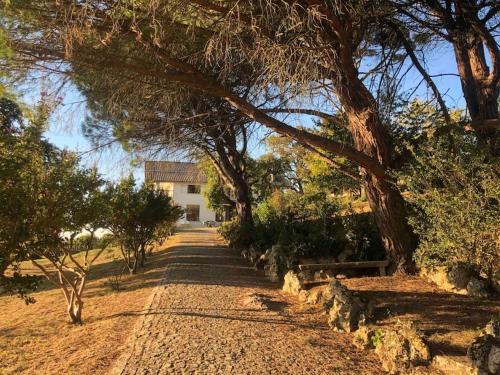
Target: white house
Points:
(184, 183)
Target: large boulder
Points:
(315, 296)
(493, 327)
(479, 351)
(294, 283)
(277, 263)
(365, 337)
(402, 349)
(460, 274)
(477, 288)
(484, 352)
(459, 278)
(303, 295)
(261, 261)
(349, 310)
(494, 359)
(252, 254)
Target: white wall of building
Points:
(180, 196)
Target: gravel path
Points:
(206, 317)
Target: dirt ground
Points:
(38, 339)
(449, 321)
(198, 308)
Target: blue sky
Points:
(65, 124)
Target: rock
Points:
(315, 296)
(323, 275)
(493, 328)
(255, 301)
(484, 352)
(307, 275)
(453, 365)
(260, 263)
(477, 288)
(452, 279)
(494, 359)
(460, 274)
(363, 338)
(402, 349)
(294, 283)
(277, 263)
(303, 295)
(424, 370)
(250, 254)
(478, 352)
(348, 310)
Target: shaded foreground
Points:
(199, 321)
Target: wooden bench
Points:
(380, 264)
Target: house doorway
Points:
(193, 212)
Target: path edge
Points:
(119, 365)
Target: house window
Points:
(194, 189)
(193, 212)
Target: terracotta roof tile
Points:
(173, 171)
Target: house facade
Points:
(184, 183)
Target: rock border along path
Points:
(214, 314)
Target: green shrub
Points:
(306, 226)
(377, 337)
(238, 236)
(361, 235)
(456, 196)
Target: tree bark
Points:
(75, 311)
(481, 94)
(230, 165)
(143, 255)
(372, 138)
(388, 207)
(471, 38)
(243, 202)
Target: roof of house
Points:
(173, 171)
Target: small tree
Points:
(19, 148)
(138, 217)
(68, 206)
(47, 199)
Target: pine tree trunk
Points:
(243, 203)
(481, 89)
(232, 174)
(143, 255)
(389, 210)
(372, 137)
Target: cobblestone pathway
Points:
(198, 323)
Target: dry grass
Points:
(38, 339)
(450, 321)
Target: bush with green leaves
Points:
(47, 199)
(139, 217)
(455, 191)
(22, 156)
(306, 225)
